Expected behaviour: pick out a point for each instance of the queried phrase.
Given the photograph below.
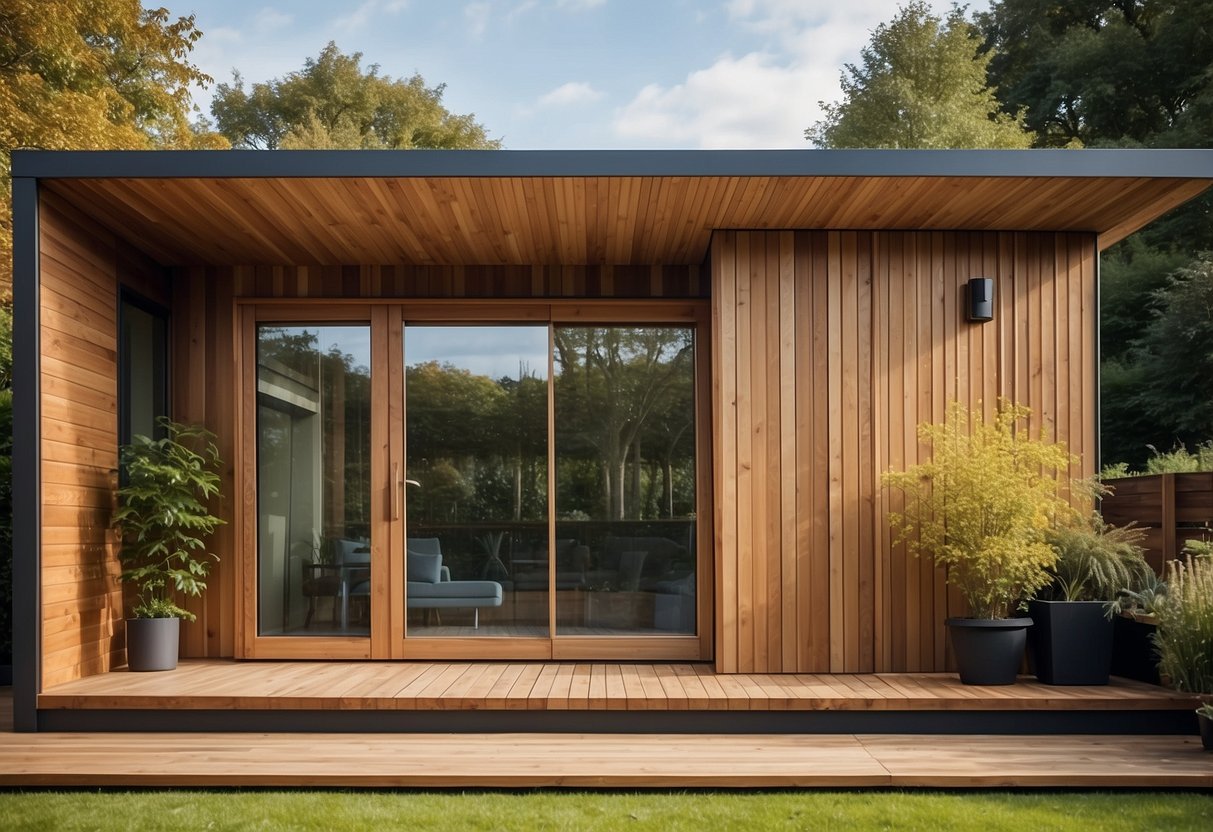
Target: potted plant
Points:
(1205, 714)
(1133, 626)
(1185, 631)
(980, 508)
(163, 523)
(1071, 636)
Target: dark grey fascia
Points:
(176, 164)
(27, 510)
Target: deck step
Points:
(526, 760)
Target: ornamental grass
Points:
(1185, 625)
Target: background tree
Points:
(333, 103)
(95, 74)
(1104, 71)
(1175, 356)
(921, 83)
(1124, 73)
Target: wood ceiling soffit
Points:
(573, 221)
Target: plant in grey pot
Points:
(163, 524)
(1071, 637)
(980, 507)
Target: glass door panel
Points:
(313, 480)
(625, 480)
(476, 445)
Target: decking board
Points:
(208, 684)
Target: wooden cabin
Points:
(558, 408)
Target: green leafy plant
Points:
(1140, 601)
(163, 520)
(1095, 560)
(1116, 471)
(1178, 460)
(981, 507)
(1184, 638)
(1198, 548)
(1205, 710)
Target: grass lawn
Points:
(698, 811)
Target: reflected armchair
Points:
(429, 585)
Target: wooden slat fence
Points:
(1172, 507)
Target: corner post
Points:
(27, 503)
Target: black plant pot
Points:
(151, 643)
(988, 651)
(1071, 642)
(1206, 732)
(1133, 654)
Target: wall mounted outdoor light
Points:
(979, 299)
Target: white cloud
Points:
(519, 10)
(753, 101)
(578, 5)
(218, 35)
(358, 18)
(574, 92)
(270, 19)
(477, 16)
(764, 98)
(367, 11)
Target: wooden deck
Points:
(443, 686)
(597, 760)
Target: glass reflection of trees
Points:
(625, 418)
(625, 479)
(478, 445)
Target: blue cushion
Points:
(424, 568)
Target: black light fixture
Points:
(979, 299)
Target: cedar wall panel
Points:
(828, 349)
(204, 369)
(82, 609)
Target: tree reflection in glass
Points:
(476, 403)
(625, 479)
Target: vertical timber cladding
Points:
(205, 374)
(828, 349)
(81, 267)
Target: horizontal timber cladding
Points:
(81, 266)
(828, 349)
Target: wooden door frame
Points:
(387, 318)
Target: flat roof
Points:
(464, 207)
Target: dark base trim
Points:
(1181, 722)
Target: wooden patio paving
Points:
(514, 760)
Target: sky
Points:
(493, 351)
(572, 74)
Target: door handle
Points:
(397, 490)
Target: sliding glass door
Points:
(417, 485)
(313, 480)
(476, 445)
(625, 479)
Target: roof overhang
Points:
(589, 207)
